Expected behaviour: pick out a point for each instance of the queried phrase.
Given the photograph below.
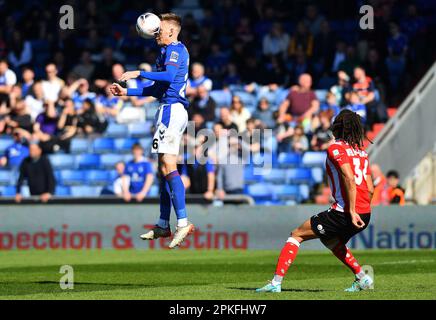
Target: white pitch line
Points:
(406, 262)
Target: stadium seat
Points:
(247, 99)
(222, 98)
(304, 192)
(154, 191)
(317, 175)
(79, 146)
(87, 161)
(260, 191)
(5, 177)
(140, 130)
(71, 177)
(102, 145)
(125, 145)
(281, 96)
(250, 177)
(97, 177)
(108, 161)
(314, 159)
(4, 144)
(62, 191)
(115, 130)
(62, 161)
(85, 191)
(275, 175)
(289, 160)
(7, 191)
(321, 94)
(299, 175)
(286, 191)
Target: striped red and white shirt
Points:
(338, 154)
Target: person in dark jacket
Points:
(38, 172)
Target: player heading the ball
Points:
(170, 81)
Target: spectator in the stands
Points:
(283, 133)
(251, 137)
(380, 196)
(20, 51)
(350, 62)
(299, 141)
(199, 123)
(226, 120)
(276, 42)
(322, 136)
(35, 100)
(338, 56)
(198, 172)
(356, 106)
(301, 41)
(395, 191)
(239, 113)
(7, 80)
(341, 88)
(117, 185)
(301, 102)
(67, 125)
(264, 114)
(18, 119)
(364, 86)
(38, 172)
(203, 104)
(79, 92)
(198, 78)
(84, 69)
(45, 128)
(89, 120)
(330, 105)
(396, 61)
(138, 176)
(230, 174)
(15, 153)
(28, 76)
(108, 105)
(53, 85)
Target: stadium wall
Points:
(60, 227)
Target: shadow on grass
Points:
(283, 290)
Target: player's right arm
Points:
(119, 91)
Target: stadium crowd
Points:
(286, 67)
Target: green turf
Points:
(182, 274)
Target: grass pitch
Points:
(141, 274)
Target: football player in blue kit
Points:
(170, 122)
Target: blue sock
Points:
(178, 195)
(165, 204)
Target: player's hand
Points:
(140, 196)
(208, 195)
(357, 221)
(129, 75)
(45, 197)
(118, 90)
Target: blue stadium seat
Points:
(222, 98)
(275, 175)
(5, 177)
(97, 177)
(79, 146)
(299, 175)
(140, 130)
(314, 159)
(286, 160)
(125, 145)
(247, 99)
(85, 191)
(286, 191)
(7, 191)
(71, 177)
(281, 96)
(115, 130)
(62, 161)
(304, 192)
(113, 174)
(154, 191)
(317, 174)
(4, 144)
(250, 177)
(102, 145)
(260, 191)
(87, 161)
(62, 191)
(108, 161)
(321, 94)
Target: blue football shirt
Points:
(137, 171)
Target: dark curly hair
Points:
(348, 127)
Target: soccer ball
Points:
(148, 25)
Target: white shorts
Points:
(170, 123)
